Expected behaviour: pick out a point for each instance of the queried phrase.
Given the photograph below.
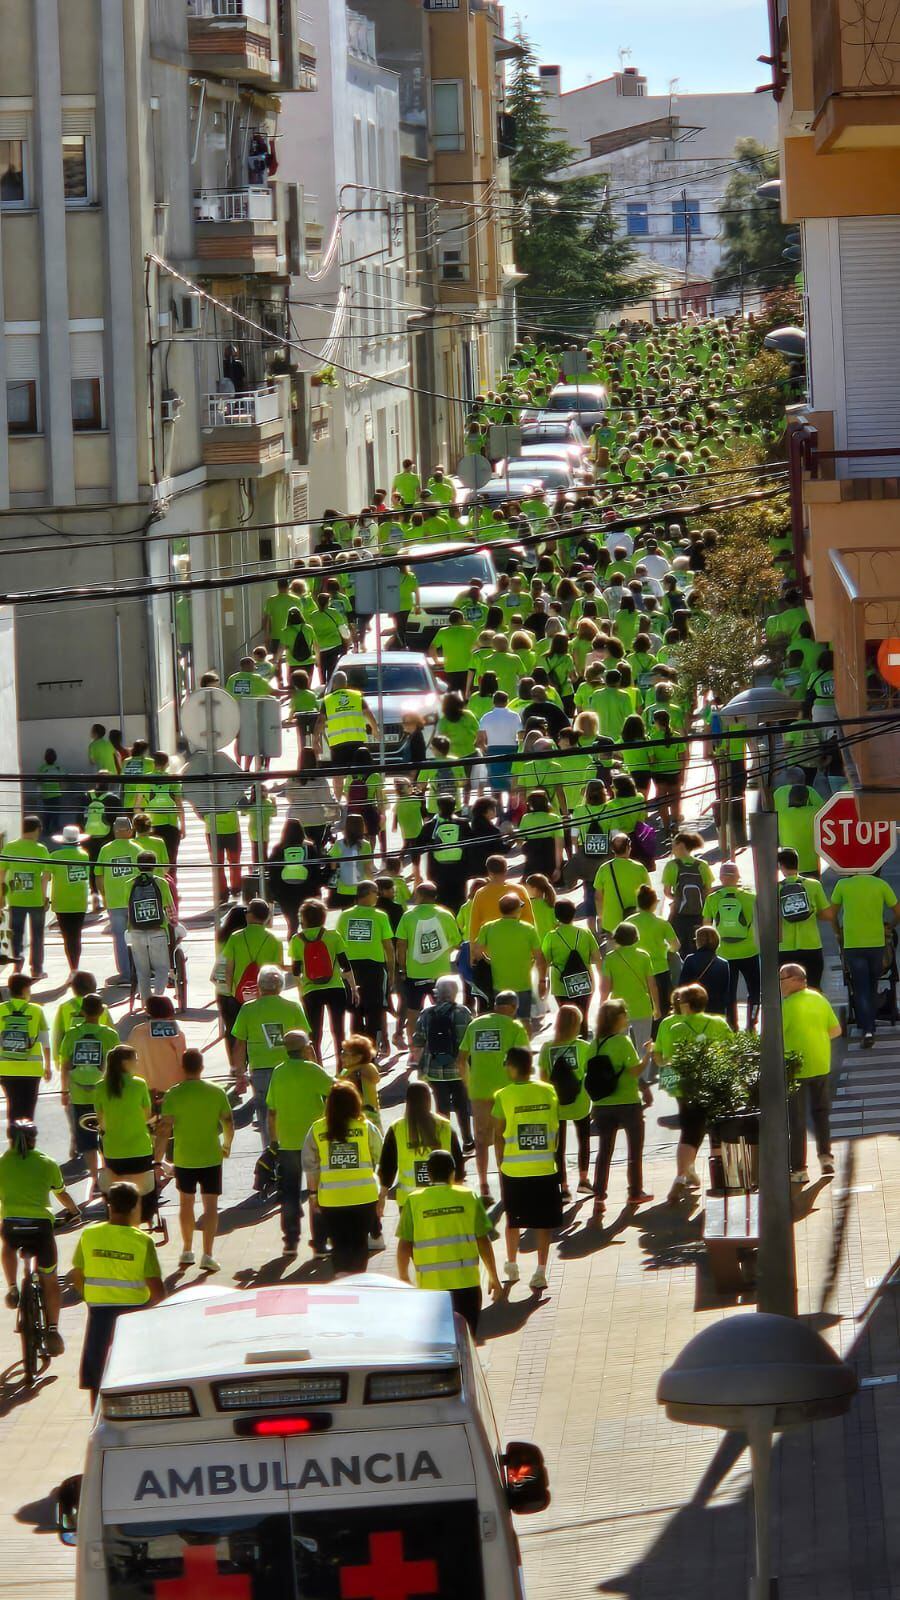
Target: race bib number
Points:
(533, 1136)
(241, 687)
(577, 985)
(420, 1169)
(273, 1033)
(358, 931)
(15, 1039)
(87, 1053)
(430, 944)
(487, 1039)
(22, 881)
(77, 872)
(595, 844)
(343, 1157)
(145, 911)
(163, 1030)
(825, 687)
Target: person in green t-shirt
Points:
(83, 1053)
(802, 905)
(731, 910)
(513, 949)
(657, 936)
(321, 964)
(258, 1039)
(690, 1019)
(249, 949)
(796, 807)
(27, 1180)
(296, 1099)
(865, 903)
(615, 1059)
(102, 753)
(687, 879)
(198, 1116)
(810, 1024)
(369, 941)
(454, 644)
(116, 870)
(482, 1066)
(24, 875)
(124, 1108)
(616, 884)
(561, 1062)
(246, 683)
(426, 935)
(627, 974)
(70, 888)
(571, 953)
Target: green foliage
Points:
(722, 1075)
(752, 228)
(566, 238)
(740, 579)
(718, 657)
(765, 382)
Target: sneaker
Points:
(585, 1186)
(54, 1341)
(376, 1244)
(511, 1272)
(469, 1147)
(868, 1039)
(801, 1176)
(209, 1264)
(186, 1259)
(538, 1279)
(12, 1297)
(641, 1199)
(289, 1250)
(678, 1191)
(826, 1166)
(691, 1179)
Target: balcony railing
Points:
(258, 10)
(243, 410)
(856, 70)
(441, 5)
(234, 205)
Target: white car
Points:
(589, 401)
(409, 683)
(551, 471)
(443, 577)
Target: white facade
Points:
(666, 157)
(344, 142)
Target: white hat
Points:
(70, 835)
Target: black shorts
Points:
(691, 1124)
(207, 1179)
(85, 1138)
(532, 1202)
(35, 1233)
(415, 991)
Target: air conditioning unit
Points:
(187, 311)
(171, 405)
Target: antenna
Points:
(625, 54)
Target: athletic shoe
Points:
(186, 1259)
(288, 1250)
(801, 1176)
(826, 1166)
(468, 1147)
(511, 1272)
(12, 1297)
(209, 1264)
(538, 1279)
(692, 1180)
(376, 1244)
(54, 1342)
(678, 1190)
(639, 1199)
(868, 1040)
(585, 1186)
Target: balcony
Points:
(865, 586)
(238, 230)
(856, 75)
(232, 39)
(244, 434)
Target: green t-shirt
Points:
(117, 869)
(365, 931)
(618, 881)
(276, 609)
(409, 815)
(545, 825)
(463, 734)
(84, 1048)
(24, 862)
(125, 1131)
(795, 826)
(511, 947)
(577, 1050)
(102, 755)
(803, 935)
(671, 872)
(70, 879)
(557, 946)
(26, 1184)
(620, 1049)
(198, 1111)
(657, 936)
(454, 643)
(863, 901)
(733, 913)
(807, 1019)
(297, 1096)
(247, 685)
(699, 1023)
(629, 971)
(263, 1023)
(68, 1013)
(335, 946)
(428, 949)
(253, 944)
(485, 1043)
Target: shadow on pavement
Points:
(39, 1514)
(507, 1316)
(13, 1392)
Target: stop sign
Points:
(848, 843)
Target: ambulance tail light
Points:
(436, 1384)
(282, 1427)
(149, 1404)
(264, 1394)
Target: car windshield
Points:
(556, 473)
(398, 677)
(553, 432)
(459, 570)
(575, 402)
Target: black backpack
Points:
(145, 903)
(793, 900)
(690, 890)
(601, 1078)
(440, 1035)
(564, 1076)
(576, 979)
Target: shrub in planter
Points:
(722, 1075)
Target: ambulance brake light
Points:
(282, 1427)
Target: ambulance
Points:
(298, 1442)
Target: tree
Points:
(566, 237)
(755, 237)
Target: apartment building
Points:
(137, 417)
(836, 80)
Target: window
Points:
(21, 405)
(447, 114)
(454, 249)
(636, 218)
(22, 356)
(79, 183)
(12, 172)
(686, 213)
(87, 409)
(86, 356)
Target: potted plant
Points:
(325, 378)
(722, 1075)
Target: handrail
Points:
(816, 455)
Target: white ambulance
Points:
(301, 1442)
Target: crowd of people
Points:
(518, 907)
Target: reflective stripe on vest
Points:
(110, 1256)
(346, 1172)
(345, 721)
(531, 1118)
(445, 1250)
(412, 1163)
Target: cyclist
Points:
(27, 1180)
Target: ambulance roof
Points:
(205, 1333)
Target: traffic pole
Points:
(379, 668)
(777, 1266)
(211, 752)
(260, 833)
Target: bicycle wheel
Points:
(28, 1331)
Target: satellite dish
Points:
(474, 471)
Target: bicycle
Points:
(31, 1321)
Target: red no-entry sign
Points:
(849, 843)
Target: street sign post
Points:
(260, 738)
(210, 720)
(848, 842)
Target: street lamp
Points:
(759, 1374)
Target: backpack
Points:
(730, 920)
(318, 966)
(690, 890)
(793, 900)
(448, 835)
(248, 983)
(440, 1035)
(429, 940)
(266, 1175)
(575, 976)
(145, 903)
(601, 1077)
(564, 1076)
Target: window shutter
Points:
(870, 300)
(86, 355)
(78, 121)
(15, 125)
(23, 355)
